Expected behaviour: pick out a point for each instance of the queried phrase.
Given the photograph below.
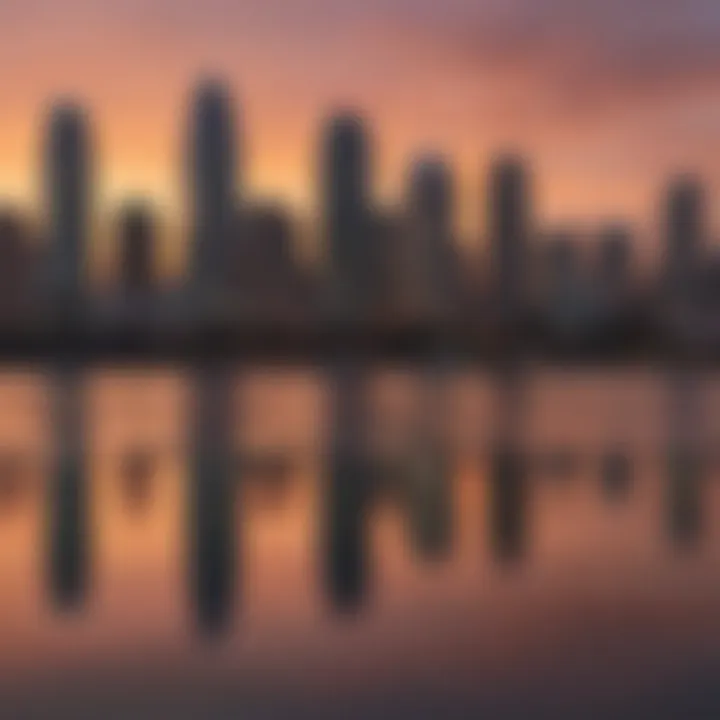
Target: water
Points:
(355, 542)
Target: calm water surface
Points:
(353, 543)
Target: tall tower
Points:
(430, 210)
(212, 184)
(136, 254)
(67, 174)
(508, 225)
(615, 245)
(614, 260)
(684, 232)
(17, 269)
(345, 196)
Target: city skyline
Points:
(359, 358)
(397, 274)
(585, 171)
(468, 216)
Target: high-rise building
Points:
(346, 201)
(212, 184)
(561, 263)
(136, 249)
(613, 263)
(684, 233)
(614, 253)
(68, 167)
(508, 229)
(431, 194)
(387, 235)
(430, 211)
(17, 266)
(268, 237)
(262, 267)
(565, 290)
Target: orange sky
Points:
(606, 99)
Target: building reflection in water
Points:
(508, 486)
(616, 473)
(13, 481)
(616, 459)
(684, 464)
(137, 467)
(429, 487)
(212, 499)
(268, 475)
(346, 489)
(557, 464)
(69, 529)
(350, 482)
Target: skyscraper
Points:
(613, 267)
(388, 233)
(268, 242)
(614, 255)
(136, 249)
(563, 284)
(68, 160)
(261, 267)
(17, 268)
(345, 197)
(212, 184)
(508, 227)
(430, 210)
(684, 233)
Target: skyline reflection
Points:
(416, 482)
(391, 521)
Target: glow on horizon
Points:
(571, 183)
(602, 131)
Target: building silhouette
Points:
(391, 274)
(614, 257)
(262, 268)
(136, 250)
(388, 235)
(18, 272)
(68, 205)
(212, 186)
(564, 290)
(685, 234)
(612, 281)
(509, 220)
(706, 283)
(346, 213)
(430, 214)
(561, 257)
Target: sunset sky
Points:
(606, 97)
